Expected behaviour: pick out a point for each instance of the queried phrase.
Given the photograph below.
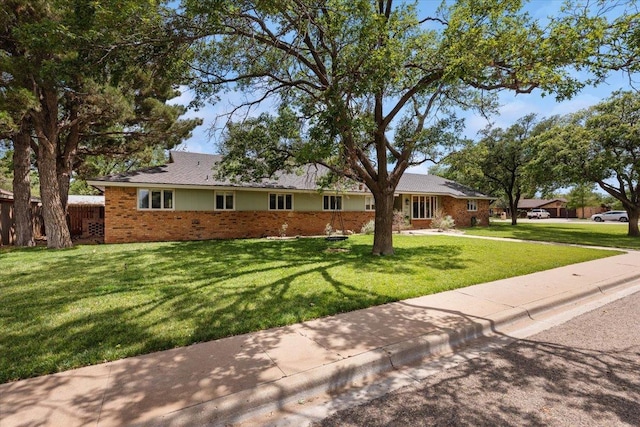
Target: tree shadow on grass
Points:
(590, 235)
(93, 304)
(143, 388)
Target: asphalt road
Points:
(585, 372)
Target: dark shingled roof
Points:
(195, 169)
(433, 184)
(537, 203)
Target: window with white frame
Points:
(225, 200)
(332, 203)
(156, 199)
(423, 207)
(369, 203)
(280, 202)
(472, 205)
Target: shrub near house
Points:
(183, 200)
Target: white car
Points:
(611, 216)
(538, 213)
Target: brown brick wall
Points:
(457, 208)
(420, 224)
(124, 223)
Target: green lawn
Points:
(612, 235)
(69, 308)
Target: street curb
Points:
(333, 377)
(271, 396)
(608, 285)
(548, 304)
(413, 350)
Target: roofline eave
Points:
(103, 184)
(455, 196)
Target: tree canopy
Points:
(6, 172)
(81, 79)
(499, 163)
(598, 145)
(371, 86)
(583, 195)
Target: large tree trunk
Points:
(64, 182)
(514, 214)
(634, 216)
(513, 205)
(22, 188)
(383, 235)
(633, 210)
(55, 221)
(46, 126)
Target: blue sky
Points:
(512, 107)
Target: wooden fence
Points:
(7, 225)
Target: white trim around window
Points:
(331, 203)
(155, 199)
(472, 205)
(280, 201)
(224, 200)
(369, 203)
(423, 207)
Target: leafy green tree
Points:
(599, 145)
(370, 86)
(498, 163)
(611, 203)
(82, 78)
(620, 50)
(6, 168)
(583, 195)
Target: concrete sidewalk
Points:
(218, 382)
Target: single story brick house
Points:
(183, 200)
(556, 207)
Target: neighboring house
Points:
(85, 215)
(556, 207)
(586, 211)
(183, 200)
(7, 223)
